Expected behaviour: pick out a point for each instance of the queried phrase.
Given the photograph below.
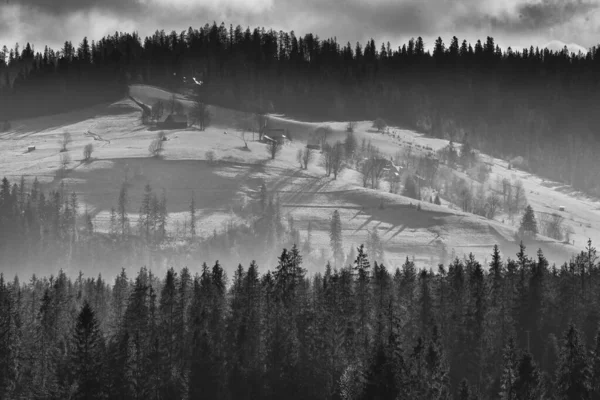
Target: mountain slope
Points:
(431, 234)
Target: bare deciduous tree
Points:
(262, 122)
(156, 147)
(327, 156)
(200, 114)
(520, 200)
(274, 147)
(551, 225)
(65, 141)
(87, 152)
(307, 156)
(493, 202)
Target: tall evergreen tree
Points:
(573, 379)
(87, 355)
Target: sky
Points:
(515, 23)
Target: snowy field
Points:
(121, 152)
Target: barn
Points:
(174, 121)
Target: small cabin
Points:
(561, 208)
(174, 121)
(30, 149)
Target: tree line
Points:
(534, 103)
(515, 329)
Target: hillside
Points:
(121, 152)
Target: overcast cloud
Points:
(515, 23)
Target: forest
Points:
(514, 329)
(532, 103)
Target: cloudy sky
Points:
(515, 23)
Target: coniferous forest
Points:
(514, 329)
(533, 102)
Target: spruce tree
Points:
(528, 382)
(87, 356)
(528, 222)
(509, 371)
(595, 365)
(574, 375)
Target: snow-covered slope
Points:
(121, 149)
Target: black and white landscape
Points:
(227, 212)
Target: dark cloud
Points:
(549, 13)
(63, 7)
(542, 15)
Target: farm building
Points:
(173, 121)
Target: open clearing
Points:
(121, 152)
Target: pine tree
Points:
(528, 382)
(528, 222)
(437, 368)
(595, 365)
(363, 301)
(509, 372)
(87, 356)
(573, 379)
(335, 237)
